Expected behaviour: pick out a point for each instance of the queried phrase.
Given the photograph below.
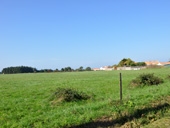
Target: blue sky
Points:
(58, 33)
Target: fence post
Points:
(120, 87)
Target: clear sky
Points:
(58, 33)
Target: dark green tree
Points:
(122, 62)
(126, 62)
(81, 68)
(56, 70)
(88, 69)
(129, 62)
(141, 64)
(67, 69)
(62, 70)
(18, 69)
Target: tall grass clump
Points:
(146, 79)
(168, 77)
(68, 95)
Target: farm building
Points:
(151, 63)
(106, 68)
(164, 64)
(131, 68)
(103, 69)
(148, 63)
(96, 69)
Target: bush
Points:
(141, 64)
(154, 66)
(168, 77)
(146, 79)
(68, 95)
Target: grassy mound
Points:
(146, 79)
(68, 95)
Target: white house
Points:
(103, 68)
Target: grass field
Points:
(24, 98)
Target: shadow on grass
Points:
(123, 119)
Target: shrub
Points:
(168, 77)
(146, 79)
(68, 95)
(154, 66)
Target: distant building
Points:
(148, 63)
(151, 63)
(103, 68)
(166, 64)
(131, 68)
(96, 69)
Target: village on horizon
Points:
(148, 63)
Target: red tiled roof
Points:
(96, 69)
(165, 63)
(152, 62)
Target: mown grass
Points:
(24, 98)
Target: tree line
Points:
(19, 69)
(66, 69)
(26, 69)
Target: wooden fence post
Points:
(120, 87)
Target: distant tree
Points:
(115, 65)
(35, 70)
(141, 64)
(88, 69)
(62, 70)
(129, 62)
(133, 64)
(18, 69)
(45, 70)
(81, 68)
(67, 69)
(50, 70)
(126, 62)
(41, 70)
(56, 70)
(122, 62)
(77, 70)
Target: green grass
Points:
(161, 123)
(24, 98)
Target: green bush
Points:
(168, 77)
(68, 95)
(154, 67)
(146, 79)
